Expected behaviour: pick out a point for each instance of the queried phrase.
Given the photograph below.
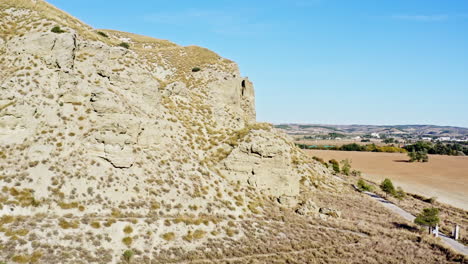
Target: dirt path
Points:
(392, 207)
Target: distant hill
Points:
(415, 130)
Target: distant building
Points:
(376, 135)
(426, 138)
(443, 139)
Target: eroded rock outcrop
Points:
(263, 161)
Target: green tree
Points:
(420, 155)
(428, 217)
(387, 187)
(412, 156)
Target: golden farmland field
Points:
(444, 177)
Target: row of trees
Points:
(453, 149)
(370, 148)
(357, 147)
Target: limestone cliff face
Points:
(89, 128)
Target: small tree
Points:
(387, 187)
(428, 217)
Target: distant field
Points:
(444, 177)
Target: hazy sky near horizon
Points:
(320, 61)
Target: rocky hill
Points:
(118, 148)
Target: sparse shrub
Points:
(128, 229)
(128, 254)
(196, 69)
(168, 236)
(335, 165)
(57, 30)
(430, 200)
(230, 232)
(198, 234)
(399, 193)
(346, 166)
(96, 225)
(253, 207)
(363, 186)
(66, 225)
(188, 237)
(320, 160)
(127, 241)
(102, 34)
(124, 45)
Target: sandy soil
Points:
(444, 177)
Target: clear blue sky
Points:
(320, 61)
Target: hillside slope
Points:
(155, 149)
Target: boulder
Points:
(330, 212)
(307, 208)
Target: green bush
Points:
(128, 254)
(387, 187)
(346, 167)
(399, 193)
(57, 30)
(124, 45)
(363, 186)
(102, 34)
(196, 69)
(335, 165)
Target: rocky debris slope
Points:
(111, 141)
